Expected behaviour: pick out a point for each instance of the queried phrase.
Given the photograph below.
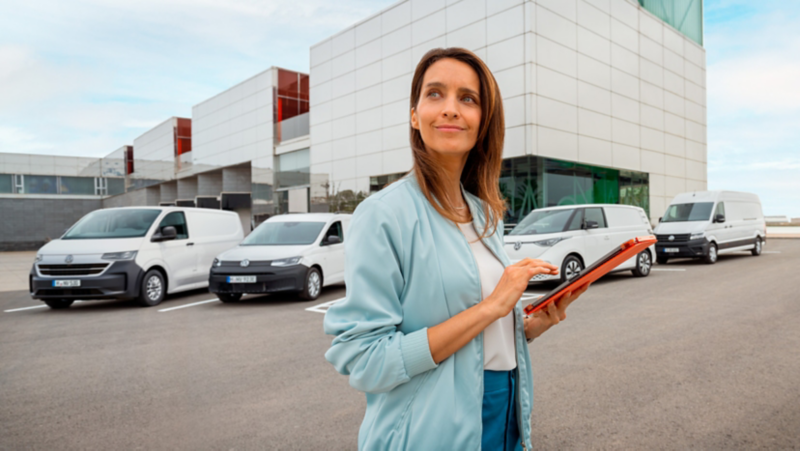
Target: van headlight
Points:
(550, 242)
(129, 255)
(697, 236)
(217, 262)
(286, 261)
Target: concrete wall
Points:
(236, 179)
(209, 183)
(149, 196)
(187, 188)
(27, 224)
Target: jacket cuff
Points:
(416, 352)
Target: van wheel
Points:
(662, 260)
(229, 298)
(643, 264)
(58, 303)
(153, 289)
(313, 285)
(711, 256)
(757, 248)
(571, 268)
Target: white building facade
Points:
(603, 100)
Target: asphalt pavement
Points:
(694, 356)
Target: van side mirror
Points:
(333, 239)
(166, 234)
(719, 218)
(659, 219)
(590, 225)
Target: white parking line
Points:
(24, 308)
(322, 308)
(669, 269)
(188, 305)
(770, 252)
(29, 308)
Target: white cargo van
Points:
(300, 252)
(141, 253)
(705, 224)
(575, 236)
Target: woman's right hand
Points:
(512, 284)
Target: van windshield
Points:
(102, 224)
(542, 221)
(284, 233)
(700, 211)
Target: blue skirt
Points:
(500, 427)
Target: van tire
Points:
(711, 256)
(153, 289)
(757, 247)
(662, 260)
(312, 285)
(57, 304)
(229, 298)
(571, 263)
(644, 263)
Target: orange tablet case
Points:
(597, 270)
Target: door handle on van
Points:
(190, 244)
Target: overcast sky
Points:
(85, 77)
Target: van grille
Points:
(89, 269)
(252, 263)
(678, 238)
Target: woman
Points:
(430, 328)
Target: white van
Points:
(705, 224)
(575, 236)
(299, 252)
(140, 253)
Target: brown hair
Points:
(481, 174)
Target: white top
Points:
(498, 338)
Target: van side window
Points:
(334, 230)
(576, 221)
(178, 220)
(596, 215)
(720, 209)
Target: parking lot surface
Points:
(694, 356)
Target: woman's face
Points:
(448, 113)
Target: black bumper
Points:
(694, 248)
(269, 279)
(120, 281)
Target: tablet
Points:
(597, 270)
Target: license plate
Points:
(672, 250)
(66, 283)
(241, 279)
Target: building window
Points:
(293, 169)
(19, 184)
(528, 183)
(40, 184)
(379, 182)
(115, 186)
(100, 186)
(6, 183)
(76, 185)
(685, 16)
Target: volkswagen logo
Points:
(69, 259)
(244, 263)
(517, 245)
(671, 238)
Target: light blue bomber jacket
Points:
(408, 268)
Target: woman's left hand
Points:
(554, 313)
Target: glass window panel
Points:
(685, 16)
(177, 220)
(288, 83)
(577, 220)
(77, 185)
(596, 215)
(42, 184)
(115, 186)
(6, 183)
